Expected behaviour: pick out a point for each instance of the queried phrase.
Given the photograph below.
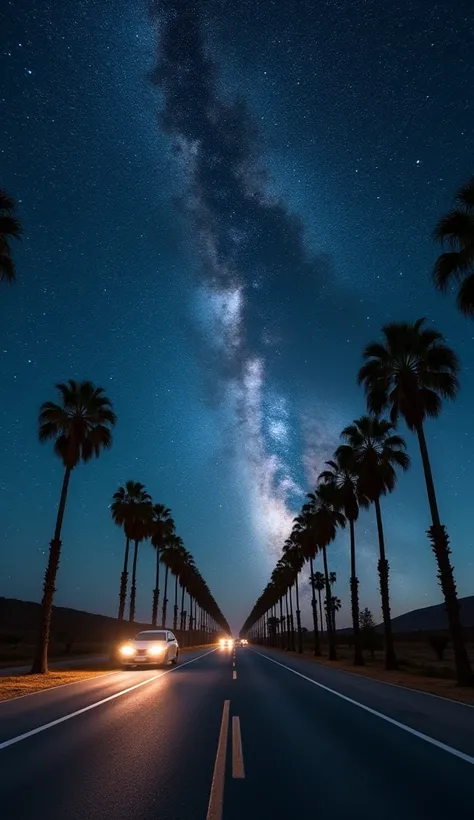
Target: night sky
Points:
(222, 203)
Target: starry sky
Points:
(222, 203)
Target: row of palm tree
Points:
(407, 375)
(80, 427)
(133, 510)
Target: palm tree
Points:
(318, 583)
(336, 605)
(182, 566)
(186, 575)
(172, 559)
(304, 537)
(455, 231)
(126, 506)
(325, 517)
(10, 228)
(342, 478)
(378, 452)
(142, 529)
(293, 557)
(162, 529)
(80, 427)
(289, 579)
(278, 583)
(409, 374)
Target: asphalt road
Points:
(271, 738)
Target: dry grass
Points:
(14, 686)
(419, 670)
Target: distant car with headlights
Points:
(152, 647)
(226, 643)
(243, 642)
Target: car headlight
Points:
(155, 650)
(222, 642)
(127, 650)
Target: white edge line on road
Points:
(53, 688)
(25, 735)
(414, 732)
(407, 688)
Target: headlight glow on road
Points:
(155, 650)
(226, 643)
(127, 650)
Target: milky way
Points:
(248, 243)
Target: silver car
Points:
(153, 647)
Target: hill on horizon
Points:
(431, 617)
(22, 616)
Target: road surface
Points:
(270, 738)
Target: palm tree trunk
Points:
(165, 600)
(358, 656)
(288, 644)
(156, 591)
(298, 616)
(182, 612)
(428, 477)
(331, 641)
(292, 623)
(133, 590)
(383, 570)
(123, 582)
(190, 620)
(317, 648)
(40, 662)
(440, 545)
(175, 608)
(321, 612)
(282, 621)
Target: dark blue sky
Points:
(218, 268)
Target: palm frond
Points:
(465, 195)
(7, 268)
(465, 295)
(10, 227)
(431, 402)
(455, 229)
(7, 203)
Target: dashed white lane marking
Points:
(238, 770)
(216, 797)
